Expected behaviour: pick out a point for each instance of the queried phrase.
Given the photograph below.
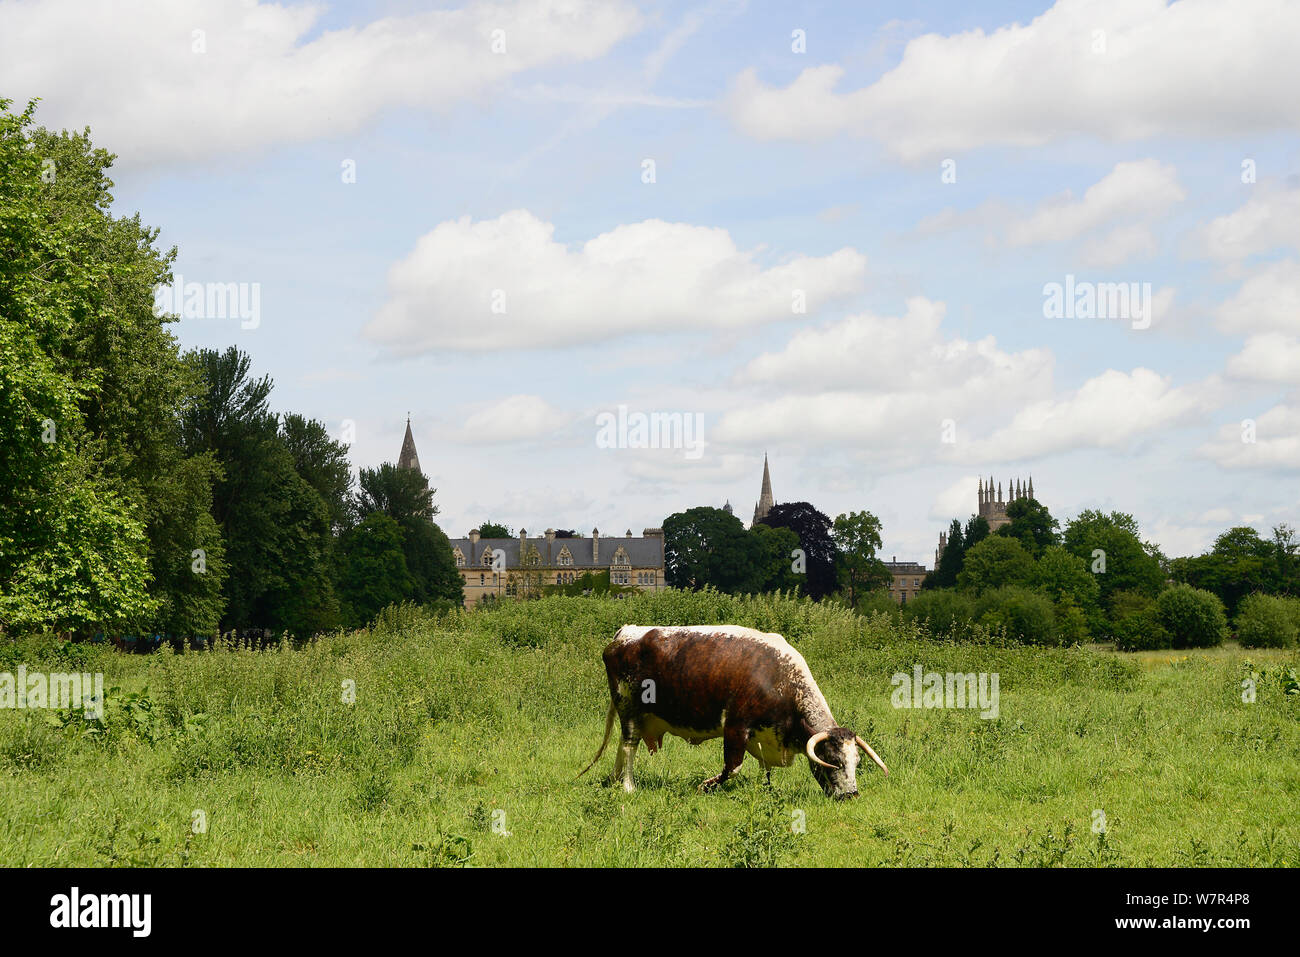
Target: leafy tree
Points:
(373, 572)
(1192, 616)
(773, 560)
(814, 531)
(1240, 563)
(1031, 524)
(1129, 564)
(1064, 577)
(401, 494)
(945, 612)
(1022, 614)
(707, 546)
(497, 530)
(275, 524)
(857, 536)
(993, 563)
(321, 462)
(950, 560)
(75, 293)
(1266, 621)
(977, 529)
(434, 575)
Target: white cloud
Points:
(513, 419)
(1272, 443)
(130, 71)
(1131, 189)
(1268, 301)
(648, 277)
(1124, 244)
(956, 499)
(1268, 220)
(883, 383)
(1196, 67)
(1269, 357)
(1109, 411)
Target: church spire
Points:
(408, 459)
(765, 499)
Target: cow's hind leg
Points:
(630, 739)
(734, 740)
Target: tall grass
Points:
(467, 729)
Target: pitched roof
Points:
(642, 552)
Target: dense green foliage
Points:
(1267, 621)
(146, 491)
(463, 720)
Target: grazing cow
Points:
(748, 687)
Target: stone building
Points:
(518, 567)
(992, 506)
(905, 580)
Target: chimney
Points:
(550, 534)
(595, 546)
(473, 536)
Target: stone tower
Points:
(765, 499)
(408, 459)
(992, 504)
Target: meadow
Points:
(467, 730)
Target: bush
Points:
(943, 612)
(1141, 630)
(1023, 615)
(1194, 617)
(878, 602)
(1071, 624)
(1265, 621)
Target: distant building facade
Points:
(905, 579)
(517, 567)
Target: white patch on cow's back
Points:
(808, 696)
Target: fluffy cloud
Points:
(887, 381)
(506, 283)
(1272, 441)
(131, 71)
(1114, 69)
(1109, 411)
(513, 419)
(1270, 357)
(1268, 301)
(1132, 189)
(1268, 220)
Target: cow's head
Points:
(833, 757)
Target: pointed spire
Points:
(1031, 486)
(408, 459)
(999, 493)
(765, 497)
(981, 491)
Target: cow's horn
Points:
(815, 740)
(874, 757)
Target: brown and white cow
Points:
(748, 687)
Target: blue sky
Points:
(1102, 140)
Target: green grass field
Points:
(473, 725)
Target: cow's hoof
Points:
(710, 784)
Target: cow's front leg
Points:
(631, 737)
(734, 739)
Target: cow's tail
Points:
(609, 726)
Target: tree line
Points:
(1032, 579)
(153, 492)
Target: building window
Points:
(482, 580)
